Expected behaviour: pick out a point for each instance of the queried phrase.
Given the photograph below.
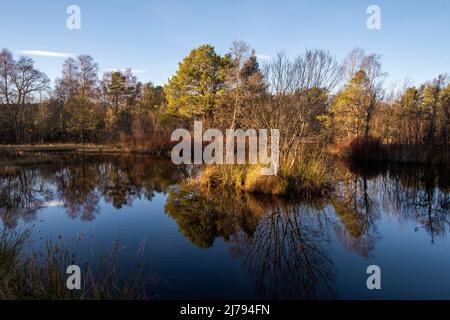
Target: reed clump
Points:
(26, 274)
(306, 174)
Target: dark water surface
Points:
(219, 245)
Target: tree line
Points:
(312, 98)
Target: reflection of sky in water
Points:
(325, 252)
(180, 268)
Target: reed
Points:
(26, 274)
(308, 174)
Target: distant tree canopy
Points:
(21, 85)
(418, 115)
(311, 99)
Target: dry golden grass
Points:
(309, 174)
(257, 183)
(224, 176)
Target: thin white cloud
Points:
(264, 57)
(49, 54)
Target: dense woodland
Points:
(311, 99)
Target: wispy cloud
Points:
(49, 54)
(264, 57)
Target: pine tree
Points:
(193, 90)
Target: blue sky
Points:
(153, 36)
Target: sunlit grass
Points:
(306, 174)
(309, 174)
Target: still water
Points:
(224, 246)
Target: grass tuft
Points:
(42, 275)
(308, 174)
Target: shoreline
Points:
(388, 158)
(82, 148)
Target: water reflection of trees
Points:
(283, 245)
(203, 217)
(408, 193)
(356, 209)
(22, 193)
(288, 254)
(420, 194)
(79, 183)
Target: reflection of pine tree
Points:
(203, 217)
(356, 213)
(282, 245)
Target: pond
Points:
(217, 245)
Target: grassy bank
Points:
(307, 175)
(42, 275)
